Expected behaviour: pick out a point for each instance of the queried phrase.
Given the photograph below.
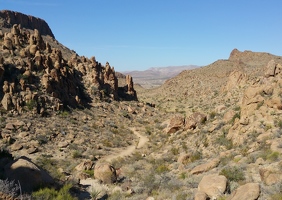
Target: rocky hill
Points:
(33, 72)
(70, 130)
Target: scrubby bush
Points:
(52, 194)
(233, 174)
(9, 187)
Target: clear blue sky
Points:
(139, 34)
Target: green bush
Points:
(76, 154)
(162, 169)
(233, 174)
(31, 104)
(197, 155)
(52, 194)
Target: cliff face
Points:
(9, 18)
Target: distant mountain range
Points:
(156, 76)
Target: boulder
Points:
(270, 175)
(229, 115)
(205, 167)
(193, 120)
(84, 165)
(30, 176)
(200, 196)
(7, 101)
(249, 191)
(213, 185)
(105, 173)
(175, 124)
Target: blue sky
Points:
(139, 34)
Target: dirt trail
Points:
(126, 152)
(130, 149)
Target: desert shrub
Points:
(89, 172)
(237, 115)
(50, 165)
(76, 154)
(260, 104)
(183, 175)
(278, 123)
(212, 115)
(197, 155)
(162, 169)
(272, 156)
(225, 160)
(52, 194)
(117, 195)
(233, 174)
(9, 187)
(174, 151)
(267, 127)
(31, 104)
(223, 141)
(277, 196)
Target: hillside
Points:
(73, 128)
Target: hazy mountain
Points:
(156, 76)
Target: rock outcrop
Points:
(35, 76)
(250, 191)
(105, 173)
(26, 21)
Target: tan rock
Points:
(270, 175)
(10, 126)
(63, 144)
(175, 124)
(249, 191)
(236, 79)
(105, 173)
(193, 120)
(7, 101)
(28, 174)
(213, 185)
(205, 167)
(229, 115)
(183, 158)
(16, 146)
(200, 196)
(84, 165)
(270, 69)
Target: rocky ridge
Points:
(34, 74)
(9, 18)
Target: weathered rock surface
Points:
(194, 120)
(213, 185)
(250, 191)
(205, 167)
(26, 21)
(105, 173)
(175, 124)
(28, 174)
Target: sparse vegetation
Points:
(52, 194)
(233, 174)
